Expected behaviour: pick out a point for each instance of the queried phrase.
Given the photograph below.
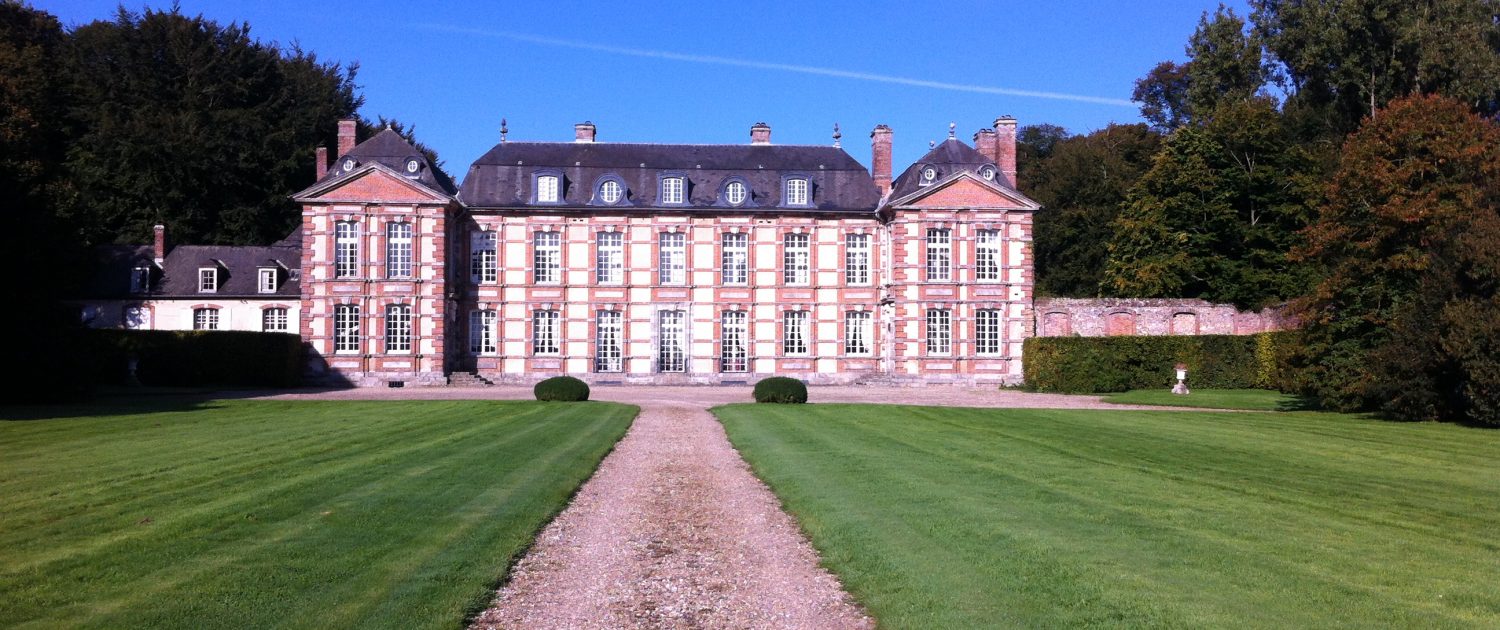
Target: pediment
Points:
(965, 191)
(371, 184)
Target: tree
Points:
(1407, 317)
(1163, 95)
(1081, 182)
(1217, 213)
(1225, 62)
(1034, 145)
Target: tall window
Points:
(547, 188)
(346, 328)
(857, 332)
(987, 331)
(610, 258)
(544, 332)
(857, 259)
(672, 189)
(484, 267)
(939, 255)
(273, 320)
(345, 249)
(736, 258)
(795, 255)
(268, 280)
(987, 256)
(796, 191)
(398, 250)
(673, 252)
(734, 335)
(608, 353)
(939, 331)
(482, 332)
(208, 279)
(205, 319)
(547, 257)
(671, 355)
(794, 332)
(398, 328)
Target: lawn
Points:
(961, 518)
(261, 514)
(1251, 399)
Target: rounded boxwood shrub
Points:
(780, 389)
(563, 388)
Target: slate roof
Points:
(947, 158)
(503, 177)
(113, 265)
(390, 149)
(178, 278)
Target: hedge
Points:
(1078, 365)
(780, 389)
(561, 388)
(197, 357)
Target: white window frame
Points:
(267, 280)
(734, 335)
(734, 264)
(987, 246)
(673, 190)
(798, 191)
(672, 258)
(346, 331)
(398, 328)
(545, 327)
(609, 350)
(857, 333)
(208, 279)
(484, 262)
(939, 255)
(136, 317)
(736, 192)
(206, 318)
(939, 331)
(794, 333)
(988, 325)
(796, 268)
(548, 188)
(611, 188)
(399, 237)
(274, 319)
(140, 279)
(609, 258)
(857, 259)
(482, 332)
(671, 348)
(546, 256)
(346, 249)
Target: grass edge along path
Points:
(954, 517)
(402, 514)
(1241, 399)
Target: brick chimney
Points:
(760, 133)
(321, 157)
(159, 244)
(1005, 149)
(984, 143)
(347, 132)
(583, 132)
(880, 160)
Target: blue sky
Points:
(704, 71)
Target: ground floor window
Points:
(273, 320)
(544, 332)
(794, 332)
(481, 332)
(939, 331)
(857, 332)
(137, 318)
(346, 328)
(671, 356)
(398, 328)
(732, 349)
(205, 319)
(608, 355)
(987, 331)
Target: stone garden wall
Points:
(1107, 317)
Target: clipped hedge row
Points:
(1080, 365)
(561, 388)
(193, 358)
(780, 389)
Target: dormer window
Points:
(349, 164)
(140, 279)
(927, 175)
(208, 279)
(735, 193)
(609, 190)
(547, 188)
(268, 278)
(673, 190)
(987, 172)
(413, 167)
(797, 191)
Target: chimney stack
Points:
(1005, 149)
(583, 132)
(159, 244)
(760, 133)
(985, 144)
(322, 159)
(347, 131)
(880, 161)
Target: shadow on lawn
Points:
(1298, 403)
(119, 401)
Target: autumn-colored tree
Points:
(1407, 319)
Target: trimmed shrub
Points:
(561, 388)
(1082, 365)
(192, 358)
(780, 389)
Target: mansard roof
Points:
(948, 158)
(391, 150)
(504, 177)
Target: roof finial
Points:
(387, 124)
(951, 126)
(836, 135)
(932, 144)
(503, 130)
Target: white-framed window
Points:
(609, 267)
(857, 259)
(796, 191)
(267, 281)
(609, 330)
(673, 257)
(735, 258)
(484, 266)
(794, 332)
(987, 324)
(205, 319)
(345, 249)
(671, 352)
(547, 188)
(140, 279)
(611, 191)
(735, 193)
(857, 332)
(939, 254)
(346, 328)
(987, 256)
(208, 279)
(547, 257)
(939, 331)
(398, 328)
(273, 320)
(734, 338)
(137, 318)
(398, 250)
(482, 332)
(673, 190)
(796, 254)
(544, 332)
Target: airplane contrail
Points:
(785, 67)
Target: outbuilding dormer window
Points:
(673, 190)
(796, 191)
(208, 279)
(268, 277)
(140, 279)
